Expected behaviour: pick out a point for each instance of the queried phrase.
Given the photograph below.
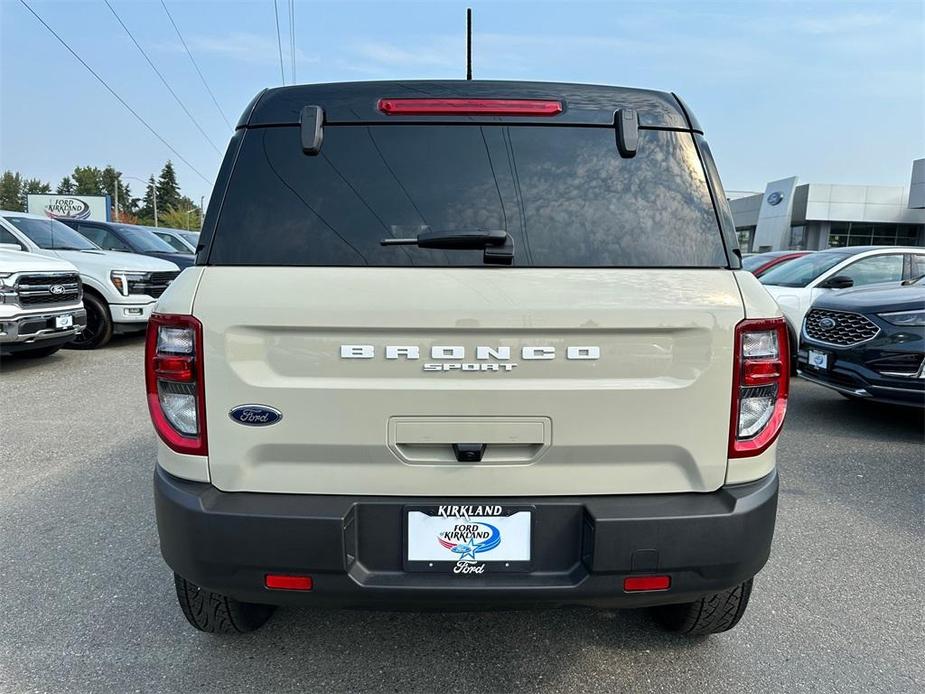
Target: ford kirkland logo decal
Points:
(255, 415)
(67, 208)
(467, 540)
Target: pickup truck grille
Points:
(839, 328)
(48, 289)
(155, 286)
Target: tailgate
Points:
(576, 381)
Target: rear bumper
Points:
(352, 547)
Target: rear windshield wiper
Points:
(497, 244)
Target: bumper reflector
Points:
(282, 582)
(635, 584)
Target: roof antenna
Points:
(469, 43)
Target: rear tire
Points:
(711, 614)
(98, 330)
(215, 613)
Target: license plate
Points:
(468, 539)
(818, 360)
(66, 321)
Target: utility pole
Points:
(117, 198)
(202, 211)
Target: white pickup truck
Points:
(120, 289)
(40, 303)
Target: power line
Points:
(113, 92)
(292, 36)
(163, 79)
(279, 43)
(193, 61)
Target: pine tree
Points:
(11, 191)
(146, 211)
(88, 180)
(66, 187)
(168, 190)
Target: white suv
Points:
(120, 289)
(40, 303)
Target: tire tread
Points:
(711, 614)
(215, 613)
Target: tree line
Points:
(173, 208)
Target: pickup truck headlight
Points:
(122, 280)
(906, 319)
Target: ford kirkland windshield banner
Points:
(71, 206)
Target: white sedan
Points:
(797, 284)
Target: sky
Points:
(832, 92)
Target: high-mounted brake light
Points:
(174, 382)
(760, 383)
(462, 107)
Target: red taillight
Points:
(760, 383)
(487, 107)
(174, 382)
(174, 368)
(635, 584)
(284, 582)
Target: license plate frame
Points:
(482, 564)
(64, 321)
(818, 359)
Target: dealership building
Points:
(814, 216)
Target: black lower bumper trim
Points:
(353, 547)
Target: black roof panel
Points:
(357, 102)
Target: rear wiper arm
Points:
(497, 244)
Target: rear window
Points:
(564, 194)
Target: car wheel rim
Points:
(92, 328)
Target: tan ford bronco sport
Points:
(461, 345)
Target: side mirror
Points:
(838, 282)
(10, 247)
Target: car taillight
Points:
(760, 383)
(174, 382)
(487, 107)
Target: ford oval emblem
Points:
(775, 198)
(827, 323)
(255, 415)
(57, 289)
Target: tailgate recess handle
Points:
(468, 440)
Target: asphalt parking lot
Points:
(88, 605)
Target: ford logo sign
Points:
(255, 415)
(827, 323)
(68, 208)
(775, 198)
(57, 289)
